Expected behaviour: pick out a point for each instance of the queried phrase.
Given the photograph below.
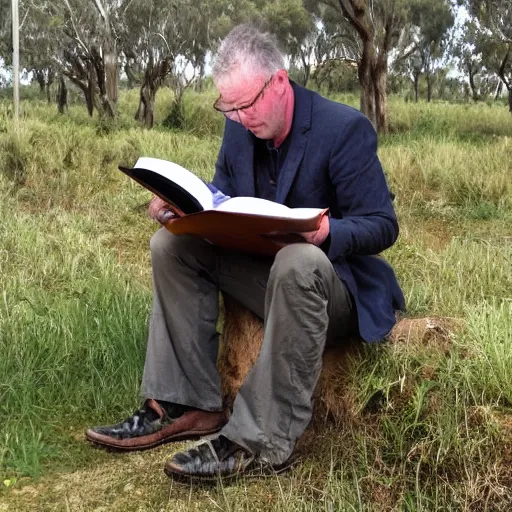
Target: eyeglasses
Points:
(233, 113)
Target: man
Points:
(290, 145)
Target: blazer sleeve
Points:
(368, 223)
(222, 179)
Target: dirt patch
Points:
(427, 331)
(435, 234)
(133, 481)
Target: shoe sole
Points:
(185, 478)
(98, 441)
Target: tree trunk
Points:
(62, 96)
(146, 108)
(111, 77)
(416, 86)
(149, 109)
(89, 98)
(371, 80)
(130, 75)
(148, 88)
(91, 93)
(200, 78)
(152, 81)
(429, 86)
(381, 98)
(474, 91)
(307, 74)
(49, 81)
(40, 80)
(139, 115)
(87, 87)
(306, 67)
(499, 88)
(380, 83)
(507, 82)
(366, 81)
(102, 74)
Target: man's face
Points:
(254, 100)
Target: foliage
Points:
(425, 44)
(493, 39)
(100, 45)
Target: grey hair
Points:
(247, 47)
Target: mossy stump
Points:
(242, 336)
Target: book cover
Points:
(242, 223)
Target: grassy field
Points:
(430, 426)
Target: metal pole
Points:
(16, 57)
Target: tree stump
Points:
(242, 336)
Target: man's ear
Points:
(282, 80)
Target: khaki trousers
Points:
(303, 304)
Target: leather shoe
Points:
(152, 426)
(219, 458)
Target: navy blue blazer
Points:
(331, 162)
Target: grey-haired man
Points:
(289, 145)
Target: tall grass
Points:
(431, 423)
(72, 326)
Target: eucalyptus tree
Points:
(35, 57)
(297, 29)
(148, 58)
(5, 30)
(165, 43)
(39, 46)
(375, 28)
(337, 49)
(469, 62)
(494, 37)
(85, 40)
(430, 22)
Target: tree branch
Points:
(77, 37)
(501, 72)
(349, 11)
(24, 18)
(407, 53)
(101, 10)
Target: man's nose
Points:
(243, 117)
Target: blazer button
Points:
(272, 182)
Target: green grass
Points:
(431, 427)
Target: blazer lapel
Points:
(299, 138)
(245, 168)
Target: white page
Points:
(256, 206)
(179, 175)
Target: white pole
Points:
(16, 57)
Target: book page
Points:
(265, 208)
(180, 176)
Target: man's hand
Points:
(318, 237)
(161, 211)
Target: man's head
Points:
(249, 74)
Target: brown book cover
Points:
(247, 224)
(245, 232)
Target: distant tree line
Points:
(370, 46)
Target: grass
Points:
(432, 425)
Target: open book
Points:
(246, 223)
